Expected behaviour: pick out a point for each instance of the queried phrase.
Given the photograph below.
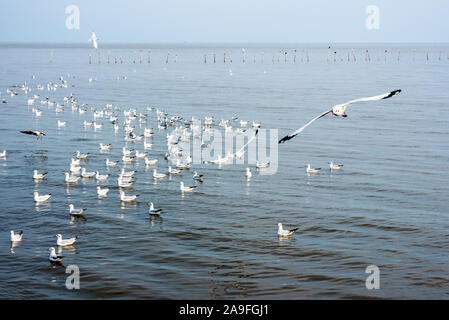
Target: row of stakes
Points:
(302, 58)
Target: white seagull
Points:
(150, 162)
(153, 211)
(75, 212)
(104, 147)
(65, 242)
(87, 174)
(157, 175)
(102, 192)
(110, 163)
(53, 257)
(43, 198)
(16, 237)
(3, 154)
(333, 166)
(186, 189)
(311, 170)
(248, 173)
(70, 179)
(285, 233)
(101, 177)
(339, 110)
(125, 198)
(39, 176)
(93, 39)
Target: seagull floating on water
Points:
(333, 166)
(76, 212)
(53, 257)
(125, 198)
(102, 192)
(111, 163)
(197, 177)
(248, 173)
(65, 242)
(311, 170)
(39, 176)
(153, 211)
(186, 189)
(42, 198)
(339, 110)
(285, 233)
(3, 154)
(16, 237)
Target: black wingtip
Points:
(286, 138)
(392, 93)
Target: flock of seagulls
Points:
(181, 131)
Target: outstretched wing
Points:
(379, 97)
(249, 141)
(294, 134)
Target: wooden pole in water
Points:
(121, 59)
(205, 59)
(215, 58)
(109, 59)
(90, 59)
(149, 57)
(115, 60)
(176, 58)
(224, 57)
(294, 56)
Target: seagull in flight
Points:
(339, 110)
(93, 38)
(38, 134)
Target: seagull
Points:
(248, 173)
(124, 184)
(86, 174)
(125, 174)
(93, 38)
(311, 170)
(149, 162)
(241, 152)
(186, 189)
(61, 123)
(53, 257)
(105, 147)
(285, 233)
(339, 110)
(70, 179)
(111, 163)
(100, 177)
(261, 165)
(38, 134)
(197, 177)
(75, 162)
(39, 176)
(333, 166)
(43, 198)
(16, 237)
(173, 171)
(80, 155)
(157, 175)
(153, 211)
(140, 155)
(65, 242)
(102, 192)
(125, 198)
(76, 212)
(3, 154)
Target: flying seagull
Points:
(38, 134)
(93, 38)
(339, 110)
(241, 152)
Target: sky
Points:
(227, 21)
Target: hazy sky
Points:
(196, 21)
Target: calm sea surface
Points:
(387, 207)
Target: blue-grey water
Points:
(387, 207)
